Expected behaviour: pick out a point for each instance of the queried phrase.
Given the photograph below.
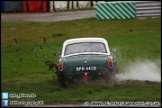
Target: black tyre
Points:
(111, 79)
(64, 82)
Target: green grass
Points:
(23, 63)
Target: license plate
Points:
(87, 68)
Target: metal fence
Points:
(148, 9)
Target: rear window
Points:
(85, 47)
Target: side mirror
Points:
(56, 53)
(113, 50)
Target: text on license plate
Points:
(87, 68)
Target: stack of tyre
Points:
(24, 6)
(44, 6)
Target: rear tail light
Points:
(85, 73)
(110, 62)
(60, 65)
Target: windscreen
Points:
(85, 47)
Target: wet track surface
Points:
(46, 17)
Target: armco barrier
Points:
(145, 9)
(115, 10)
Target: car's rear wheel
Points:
(111, 79)
(64, 82)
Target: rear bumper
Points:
(92, 77)
(87, 75)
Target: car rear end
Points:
(86, 67)
(85, 59)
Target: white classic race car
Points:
(85, 58)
